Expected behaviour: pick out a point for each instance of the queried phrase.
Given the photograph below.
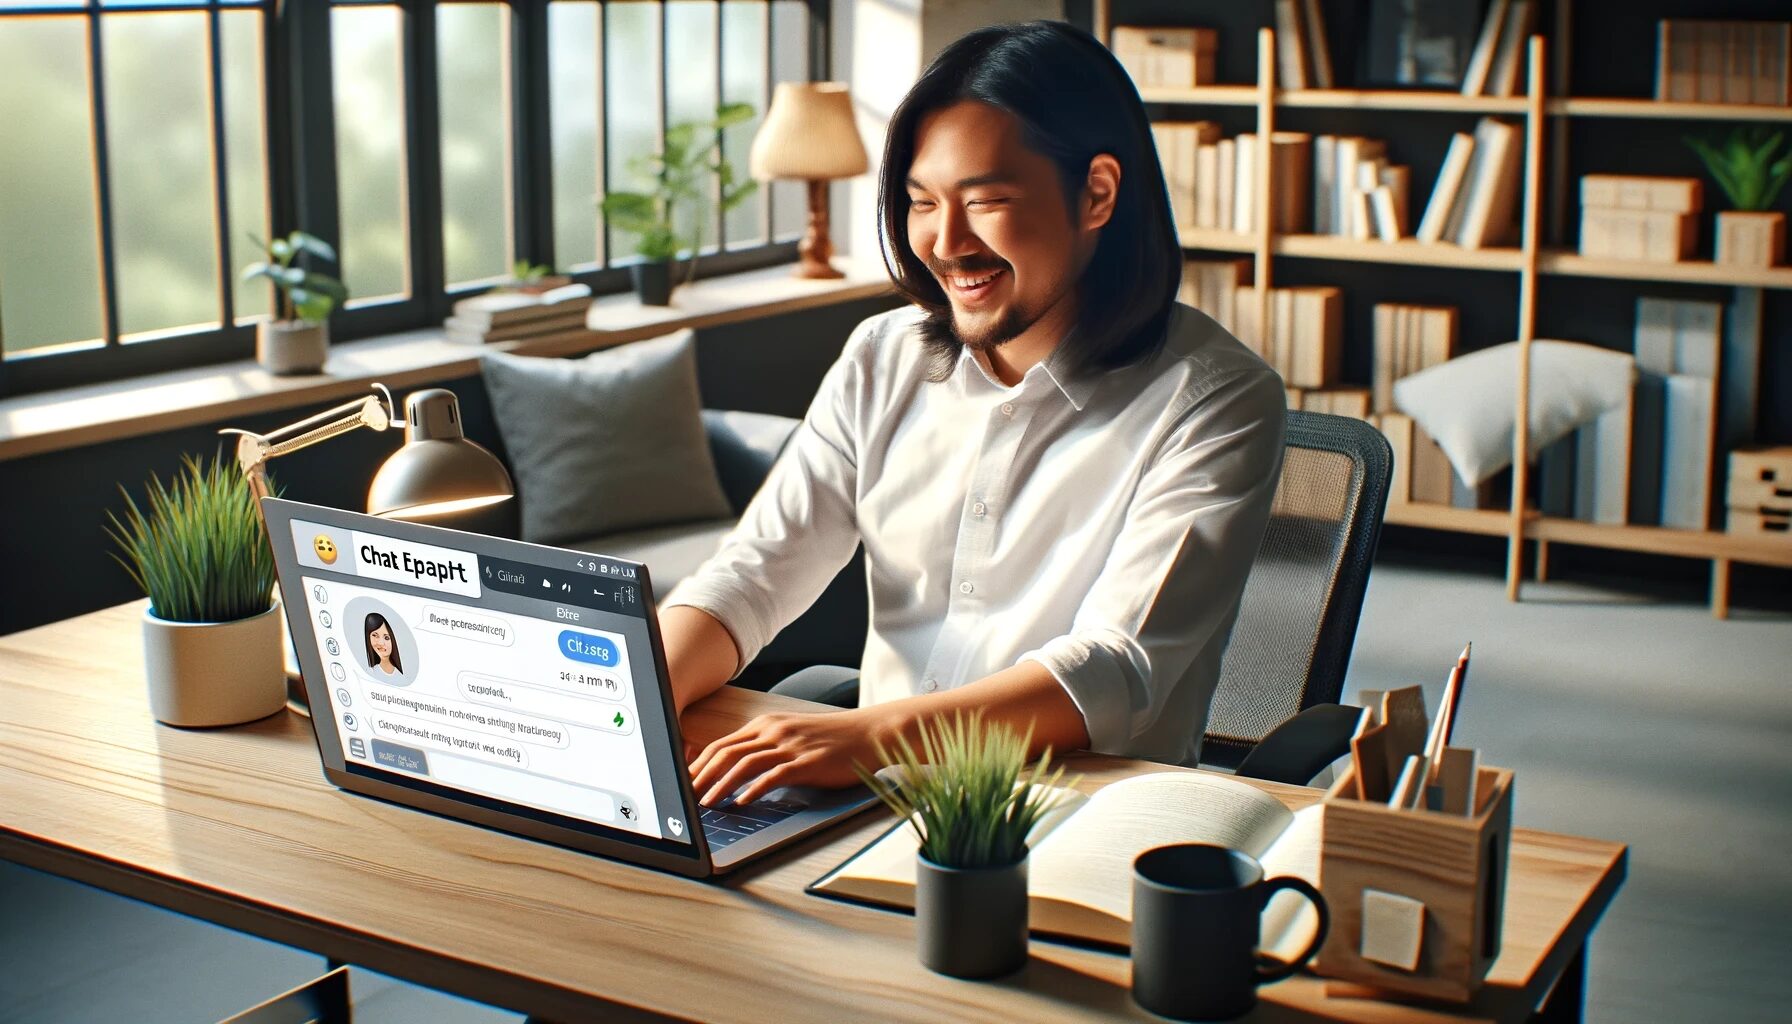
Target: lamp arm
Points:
(254, 451)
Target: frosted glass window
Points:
(744, 25)
(471, 43)
(49, 286)
(691, 96)
(370, 152)
(245, 154)
(159, 148)
(631, 100)
(575, 85)
(790, 63)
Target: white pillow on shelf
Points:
(1469, 404)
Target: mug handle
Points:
(1271, 969)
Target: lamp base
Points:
(816, 249)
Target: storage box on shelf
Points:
(1530, 258)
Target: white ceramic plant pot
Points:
(214, 673)
(289, 347)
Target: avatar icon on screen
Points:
(382, 646)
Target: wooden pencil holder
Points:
(1415, 896)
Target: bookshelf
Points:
(1531, 262)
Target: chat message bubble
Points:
(466, 625)
(456, 715)
(589, 648)
(415, 732)
(493, 691)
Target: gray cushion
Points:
(608, 442)
(671, 553)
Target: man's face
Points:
(988, 218)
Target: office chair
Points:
(1284, 666)
(1297, 621)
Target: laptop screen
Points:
(525, 680)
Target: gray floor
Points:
(1644, 722)
(1648, 723)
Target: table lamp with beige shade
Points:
(809, 135)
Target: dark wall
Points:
(55, 560)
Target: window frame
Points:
(300, 156)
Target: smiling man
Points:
(1060, 475)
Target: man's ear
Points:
(1100, 191)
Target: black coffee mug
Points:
(1196, 919)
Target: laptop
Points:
(511, 685)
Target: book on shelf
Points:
(1385, 214)
(1244, 194)
(1318, 49)
(1686, 452)
(1638, 217)
(1352, 402)
(1508, 57)
(1079, 864)
(1226, 159)
(1206, 185)
(1325, 183)
(1446, 194)
(1699, 61)
(1291, 57)
(1602, 468)
(1739, 402)
(1407, 339)
(1433, 479)
(1211, 286)
(1397, 428)
(1352, 151)
(1166, 57)
(1490, 202)
(1179, 152)
(1480, 63)
(1291, 154)
(1555, 477)
(1305, 333)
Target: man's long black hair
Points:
(1073, 101)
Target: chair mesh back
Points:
(1297, 619)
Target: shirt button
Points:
(965, 587)
(979, 510)
(929, 685)
(1007, 408)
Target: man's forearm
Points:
(1026, 695)
(701, 654)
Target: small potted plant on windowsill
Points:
(1751, 170)
(211, 633)
(972, 803)
(298, 342)
(680, 173)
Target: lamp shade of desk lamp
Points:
(809, 135)
(439, 477)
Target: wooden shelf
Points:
(1216, 240)
(1407, 251)
(1488, 522)
(1204, 95)
(1572, 264)
(1661, 541)
(1595, 106)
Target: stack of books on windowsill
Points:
(553, 315)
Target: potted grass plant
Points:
(680, 174)
(211, 633)
(1750, 167)
(972, 801)
(298, 341)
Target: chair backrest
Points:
(1297, 620)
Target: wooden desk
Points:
(238, 826)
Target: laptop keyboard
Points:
(729, 823)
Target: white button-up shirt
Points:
(1102, 526)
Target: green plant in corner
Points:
(199, 551)
(967, 792)
(1745, 166)
(304, 294)
(680, 173)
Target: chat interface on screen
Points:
(518, 682)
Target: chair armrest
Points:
(1301, 747)
(745, 445)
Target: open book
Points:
(1079, 871)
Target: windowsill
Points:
(71, 418)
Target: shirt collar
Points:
(1055, 367)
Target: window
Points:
(434, 143)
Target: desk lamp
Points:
(437, 476)
(809, 135)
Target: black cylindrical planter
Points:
(653, 282)
(971, 922)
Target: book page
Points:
(1290, 920)
(891, 858)
(1089, 861)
